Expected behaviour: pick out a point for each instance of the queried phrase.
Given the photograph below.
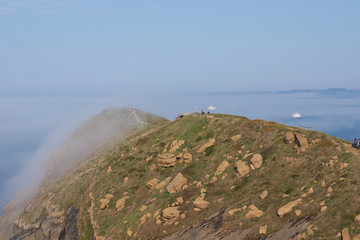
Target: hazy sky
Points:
(108, 47)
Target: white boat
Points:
(296, 115)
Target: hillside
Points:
(206, 177)
(109, 126)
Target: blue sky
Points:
(110, 47)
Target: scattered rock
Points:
(345, 234)
(120, 204)
(254, 212)
(197, 209)
(343, 165)
(263, 195)
(109, 169)
(256, 160)
(158, 221)
(152, 183)
(232, 211)
(323, 208)
(263, 229)
(126, 179)
(177, 183)
(236, 137)
(297, 212)
(246, 155)
(148, 158)
(163, 183)
(222, 167)
(104, 202)
(289, 159)
(166, 160)
(301, 140)
(206, 145)
(207, 176)
(288, 207)
(322, 203)
(214, 179)
(179, 201)
(171, 212)
(129, 232)
(242, 168)
(289, 137)
(323, 184)
(175, 145)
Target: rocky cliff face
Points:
(205, 177)
(108, 127)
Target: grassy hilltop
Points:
(217, 176)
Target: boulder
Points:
(242, 168)
(301, 140)
(175, 145)
(263, 195)
(257, 160)
(177, 183)
(263, 229)
(120, 204)
(345, 234)
(171, 212)
(254, 212)
(222, 167)
(288, 207)
(166, 160)
(152, 183)
(206, 145)
(357, 219)
(201, 203)
(289, 137)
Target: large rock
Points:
(222, 167)
(120, 204)
(288, 207)
(177, 183)
(301, 140)
(289, 137)
(171, 212)
(206, 145)
(257, 160)
(254, 212)
(166, 160)
(187, 157)
(242, 168)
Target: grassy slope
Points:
(257, 136)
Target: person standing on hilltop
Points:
(355, 144)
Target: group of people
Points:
(356, 143)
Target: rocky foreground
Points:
(206, 177)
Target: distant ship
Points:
(296, 115)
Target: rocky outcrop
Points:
(177, 183)
(152, 183)
(242, 168)
(166, 160)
